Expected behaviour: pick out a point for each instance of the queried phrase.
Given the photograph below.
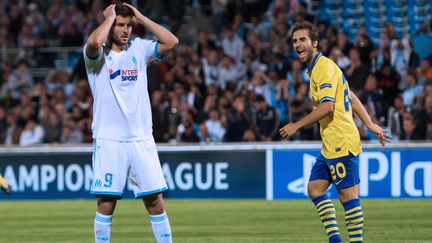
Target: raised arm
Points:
(100, 34)
(382, 135)
(167, 40)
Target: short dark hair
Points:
(123, 10)
(312, 30)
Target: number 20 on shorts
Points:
(338, 172)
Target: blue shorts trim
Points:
(345, 171)
(142, 194)
(102, 193)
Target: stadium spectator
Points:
(388, 80)
(32, 134)
(188, 134)
(159, 117)
(412, 90)
(358, 71)
(3, 118)
(214, 126)
(373, 97)
(424, 74)
(11, 135)
(411, 129)
(297, 112)
(52, 128)
(296, 76)
(238, 120)
(71, 133)
(429, 129)
(400, 52)
(280, 96)
(232, 44)
(19, 81)
(343, 43)
(266, 120)
(339, 58)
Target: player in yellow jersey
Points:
(338, 163)
(4, 186)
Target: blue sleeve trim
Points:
(141, 194)
(326, 98)
(155, 52)
(323, 86)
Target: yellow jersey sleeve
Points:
(326, 79)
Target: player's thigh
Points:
(319, 180)
(145, 175)
(320, 170)
(344, 171)
(110, 166)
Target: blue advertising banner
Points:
(389, 173)
(199, 174)
(215, 174)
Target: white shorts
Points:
(115, 161)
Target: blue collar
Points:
(310, 68)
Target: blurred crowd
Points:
(234, 77)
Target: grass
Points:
(408, 221)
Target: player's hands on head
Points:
(288, 130)
(110, 11)
(134, 10)
(383, 135)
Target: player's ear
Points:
(315, 44)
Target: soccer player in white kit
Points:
(124, 147)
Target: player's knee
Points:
(314, 192)
(106, 208)
(154, 204)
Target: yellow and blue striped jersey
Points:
(338, 130)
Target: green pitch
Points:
(408, 221)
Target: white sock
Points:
(161, 228)
(102, 228)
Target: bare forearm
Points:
(100, 35)
(164, 36)
(317, 114)
(359, 109)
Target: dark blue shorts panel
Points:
(342, 172)
(320, 170)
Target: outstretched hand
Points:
(288, 130)
(383, 135)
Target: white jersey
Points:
(118, 80)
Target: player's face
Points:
(303, 45)
(121, 31)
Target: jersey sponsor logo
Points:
(126, 75)
(129, 75)
(113, 74)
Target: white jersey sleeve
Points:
(149, 48)
(93, 65)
